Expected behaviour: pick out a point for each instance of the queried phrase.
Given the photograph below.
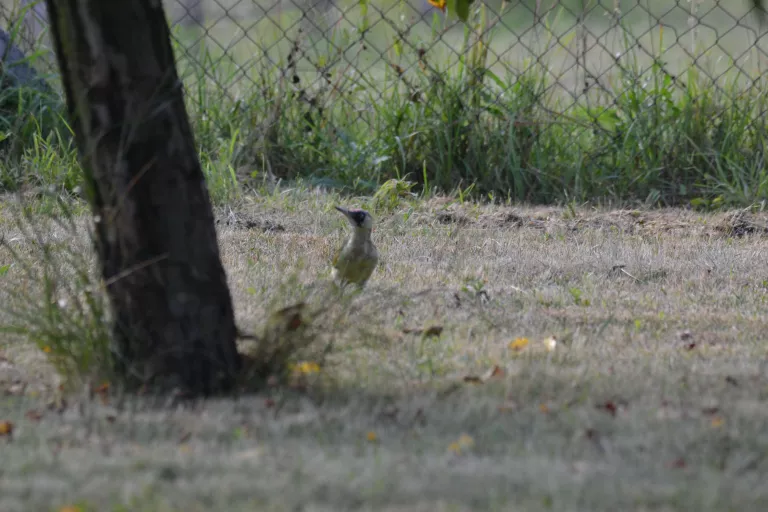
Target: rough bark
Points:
(154, 226)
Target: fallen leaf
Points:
(494, 372)
(186, 436)
(544, 408)
(102, 390)
(434, 330)
(464, 442)
(371, 437)
(678, 463)
(33, 415)
(730, 380)
(609, 407)
(71, 508)
(6, 428)
(287, 319)
(518, 344)
(306, 368)
(690, 346)
(717, 422)
(294, 323)
(709, 411)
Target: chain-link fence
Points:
(356, 65)
(582, 46)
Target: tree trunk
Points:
(155, 234)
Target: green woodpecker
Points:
(358, 257)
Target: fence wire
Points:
(537, 63)
(582, 47)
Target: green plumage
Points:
(357, 259)
(355, 264)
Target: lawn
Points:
(443, 389)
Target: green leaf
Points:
(699, 202)
(495, 78)
(450, 6)
(462, 9)
(4, 269)
(398, 47)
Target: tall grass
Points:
(317, 110)
(459, 120)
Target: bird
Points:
(358, 257)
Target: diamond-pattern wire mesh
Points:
(354, 57)
(580, 44)
(577, 53)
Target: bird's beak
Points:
(343, 210)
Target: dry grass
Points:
(654, 398)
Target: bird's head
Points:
(359, 218)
